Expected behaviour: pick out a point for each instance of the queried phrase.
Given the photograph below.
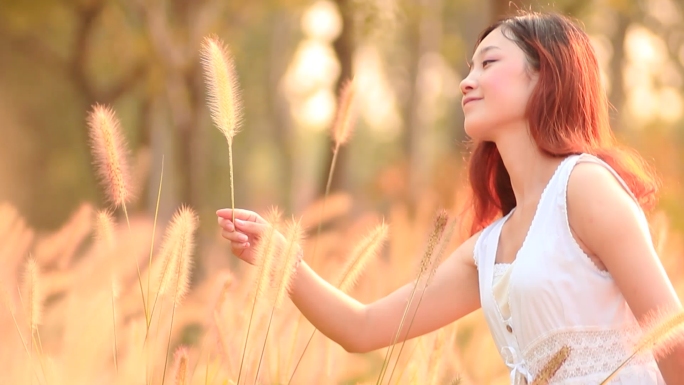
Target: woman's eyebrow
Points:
(483, 51)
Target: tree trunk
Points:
(428, 34)
(617, 90)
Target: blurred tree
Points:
(503, 8)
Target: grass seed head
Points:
(435, 236)
(177, 251)
(32, 294)
(288, 259)
(664, 331)
(222, 87)
(346, 114)
(552, 366)
(180, 367)
(104, 228)
(109, 154)
(365, 250)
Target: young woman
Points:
(560, 253)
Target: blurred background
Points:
(404, 160)
(59, 57)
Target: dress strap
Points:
(588, 158)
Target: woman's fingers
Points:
(235, 236)
(245, 215)
(226, 224)
(250, 228)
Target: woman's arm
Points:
(608, 224)
(357, 327)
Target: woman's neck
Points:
(528, 168)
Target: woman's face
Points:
(496, 90)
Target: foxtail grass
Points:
(104, 228)
(264, 260)
(32, 295)
(218, 306)
(180, 367)
(175, 278)
(552, 366)
(110, 157)
(223, 95)
(32, 303)
(664, 331)
(154, 231)
(364, 251)
(286, 269)
(342, 128)
(431, 261)
(433, 240)
(104, 233)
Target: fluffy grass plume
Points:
(434, 240)
(664, 331)
(439, 254)
(223, 95)
(104, 228)
(341, 131)
(175, 277)
(222, 87)
(293, 234)
(365, 250)
(109, 154)
(286, 269)
(346, 114)
(32, 295)
(549, 370)
(264, 260)
(425, 263)
(264, 253)
(180, 366)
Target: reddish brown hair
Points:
(567, 114)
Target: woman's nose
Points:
(467, 84)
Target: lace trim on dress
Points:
(592, 352)
(500, 269)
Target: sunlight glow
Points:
(322, 21)
(651, 80)
(311, 77)
(317, 110)
(644, 46)
(314, 66)
(377, 102)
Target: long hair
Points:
(567, 114)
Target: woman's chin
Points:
(475, 131)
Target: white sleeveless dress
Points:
(553, 295)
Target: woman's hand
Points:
(245, 233)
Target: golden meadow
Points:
(108, 298)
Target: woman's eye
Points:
(484, 63)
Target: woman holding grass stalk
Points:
(560, 253)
